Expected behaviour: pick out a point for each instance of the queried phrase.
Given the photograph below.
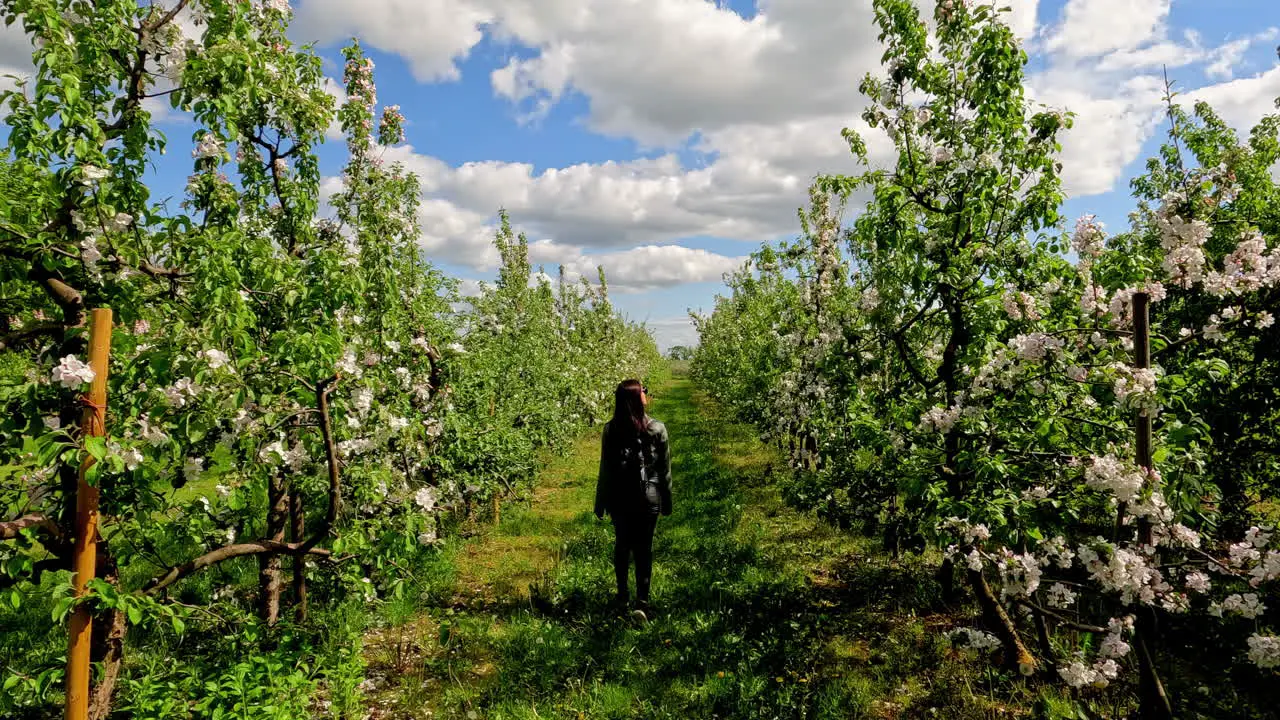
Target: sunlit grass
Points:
(761, 611)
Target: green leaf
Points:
(96, 447)
(61, 608)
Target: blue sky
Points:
(669, 138)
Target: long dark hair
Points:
(628, 407)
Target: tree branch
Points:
(28, 332)
(1063, 620)
(323, 388)
(13, 529)
(65, 296)
(213, 557)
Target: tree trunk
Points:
(107, 646)
(946, 578)
(269, 564)
(1155, 703)
(891, 539)
(1016, 654)
(112, 657)
(1042, 636)
(298, 534)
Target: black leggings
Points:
(634, 536)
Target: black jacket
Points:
(616, 494)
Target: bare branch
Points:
(29, 332)
(1062, 620)
(13, 529)
(213, 557)
(323, 388)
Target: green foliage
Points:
(957, 374)
(295, 393)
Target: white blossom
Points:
(348, 365)
(973, 639)
(93, 173)
(1264, 651)
(363, 400)
(434, 427)
(1246, 605)
(1089, 237)
(182, 390)
(216, 358)
(1197, 582)
(209, 147)
(154, 436)
(1111, 474)
(425, 498)
(1035, 346)
(72, 373)
(940, 419)
(1060, 596)
(132, 458)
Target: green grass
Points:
(761, 611)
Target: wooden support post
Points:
(84, 558)
(1155, 703)
(1142, 361)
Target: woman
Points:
(634, 486)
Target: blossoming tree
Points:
(983, 384)
(292, 386)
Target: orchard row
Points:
(960, 369)
(299, 406)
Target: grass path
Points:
(762, 612)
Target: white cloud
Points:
(469, 288)
(762, 99)
(615, 205)
(1106, 63)
(1225, 59)
(15, 56)
(1090, 28)
(430, 34)
(670, 332)
(339, 94)
(656, 70)
(1164, 54)
(1023, 17)
(1109, 131)
(1243, 101)
(647, 267)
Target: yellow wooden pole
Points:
(84, 565)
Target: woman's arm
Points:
(602, 476)
(664, 470)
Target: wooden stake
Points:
(84, 557)
(1154, 700)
